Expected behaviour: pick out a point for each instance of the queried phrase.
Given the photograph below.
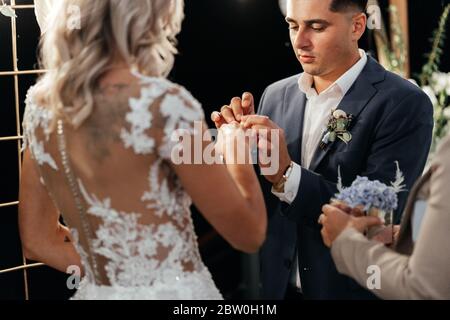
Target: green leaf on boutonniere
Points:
(337, 127)
(346, 137)
(332, 136)
(341, 124)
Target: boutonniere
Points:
(337, 128)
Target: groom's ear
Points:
(359, 26)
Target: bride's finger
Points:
(227, 114)
(236, 106)
(218, 120)
(248, 103)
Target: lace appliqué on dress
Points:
(140, 118)
(89, 274)
(132, 248)
(184, 116)
(162, 199)
(37, 117)
(179, 108)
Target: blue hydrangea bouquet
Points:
(372, 197)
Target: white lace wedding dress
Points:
(113, 183)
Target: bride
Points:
(97, 135)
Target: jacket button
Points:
(288, 263)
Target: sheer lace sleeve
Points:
(182, 116)
(36, 131)
(159, 117)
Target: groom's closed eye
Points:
(292, 24)
(317, 27)
(317, 24)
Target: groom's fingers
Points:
(256, 120)
(263, 132)
(265, 152)
(236, 106)
(262, 125)
(248, 103)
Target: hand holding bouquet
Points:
(373, 198)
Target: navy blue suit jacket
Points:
(393, 121)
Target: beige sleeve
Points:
(423, 275)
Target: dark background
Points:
(226, 47)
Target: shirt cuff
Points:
(291, 186)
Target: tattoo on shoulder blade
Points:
(107, 119)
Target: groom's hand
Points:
(271, 138)
(234, 112)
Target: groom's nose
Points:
(302, 40)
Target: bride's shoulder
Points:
(36, 97)
(36, 111)
(30, 98)
(171, 92)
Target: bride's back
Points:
(111, 179)
(101, 141)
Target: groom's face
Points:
(323, 40)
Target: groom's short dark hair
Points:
(343, 5)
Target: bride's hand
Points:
(234, 112)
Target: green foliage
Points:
(434, 57)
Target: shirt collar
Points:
(343, 84)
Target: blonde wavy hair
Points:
(140, 32)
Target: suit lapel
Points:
(354, 102)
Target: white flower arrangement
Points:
(434, 83)
(438, 90)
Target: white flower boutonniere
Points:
(337, 128)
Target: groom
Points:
(386, 119)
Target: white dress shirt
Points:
(317, 112)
